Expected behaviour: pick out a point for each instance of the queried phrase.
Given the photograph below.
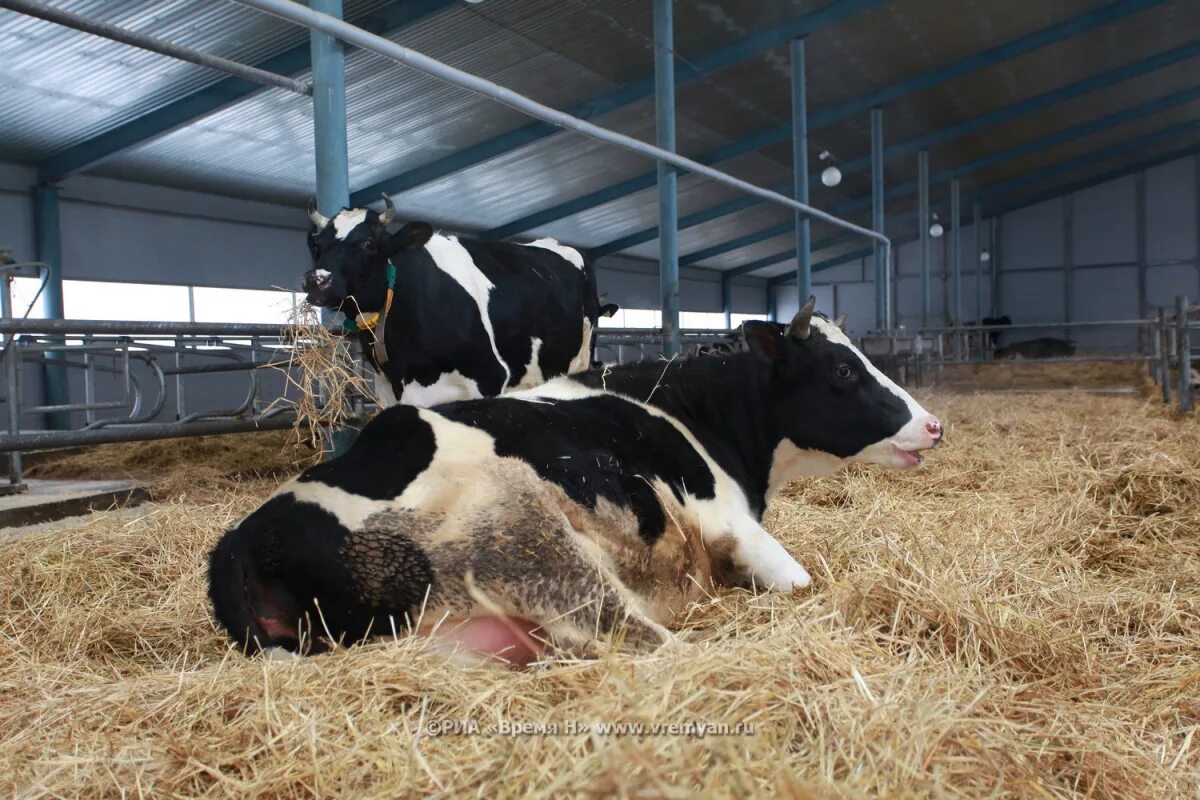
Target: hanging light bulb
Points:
(830, 176)
(985, 256)
(936, 230)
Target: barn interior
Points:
(1017, 618)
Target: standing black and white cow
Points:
(445, 318)
(595, 504)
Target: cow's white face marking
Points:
(789, 462)
(583, 359)
(912, 436)
(449, 386)
(453, 259)
(384, 392)
(347, 220)
(569, 253)
(533, 370)
(351, 510)
(321, 274)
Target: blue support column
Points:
(955, 254)
(668, 211)
(770, 290)
(329, 139)
(923, 230)
(881, 288)
(727, 299)
(800, 171)
(48, 239)
(977, 216)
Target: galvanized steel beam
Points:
(800, 171)
(668, 209)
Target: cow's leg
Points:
(762, 560)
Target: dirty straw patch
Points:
(1020, 618)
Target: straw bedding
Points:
(1019, 618)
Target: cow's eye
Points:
(369, 245)
(316, 251)
(844, 371)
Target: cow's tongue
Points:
(911, 458)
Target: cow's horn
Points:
(389, 213)
(316, 217)
(840, 320)
(799, 327)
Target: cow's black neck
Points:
(721, 399)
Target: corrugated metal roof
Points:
(58, 88)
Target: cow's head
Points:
(350, 255)
(830, 404)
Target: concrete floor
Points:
(49, 500)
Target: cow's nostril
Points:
(934, 428)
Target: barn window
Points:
(150, 302)
(707, 320)
(738, 319)
(243, 305)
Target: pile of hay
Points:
(1021, 617)
(1006, 374)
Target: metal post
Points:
(668, 211)
(977, 214)
(48, 234)
(727, 300)
(1068, 260)
(995, 239)
(770, 302)
(1183, 345)
(877, 222)
(330, 143)
(1142, 245)
(923, 229)
(1165, 354)
(800, 172)
(12, 389)
(955, 256)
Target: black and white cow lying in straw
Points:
(593, 506)
(444, 318)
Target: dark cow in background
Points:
(593, 506)
(1045, 347)
(445, 318)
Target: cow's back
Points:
(543, 307)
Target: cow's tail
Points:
(255, 609)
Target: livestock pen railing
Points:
(147, 365)
(1162, 344)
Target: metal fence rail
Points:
(1163, 346)
(164, 352)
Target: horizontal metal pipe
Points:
(66, 327)
(74, 407)
(233, 366)
(1115, 323)
(140, 433)
(410, 58)
(155, 45)
(1072, 360)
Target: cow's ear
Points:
(763, 339)
(412, 236)
(609, 310)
